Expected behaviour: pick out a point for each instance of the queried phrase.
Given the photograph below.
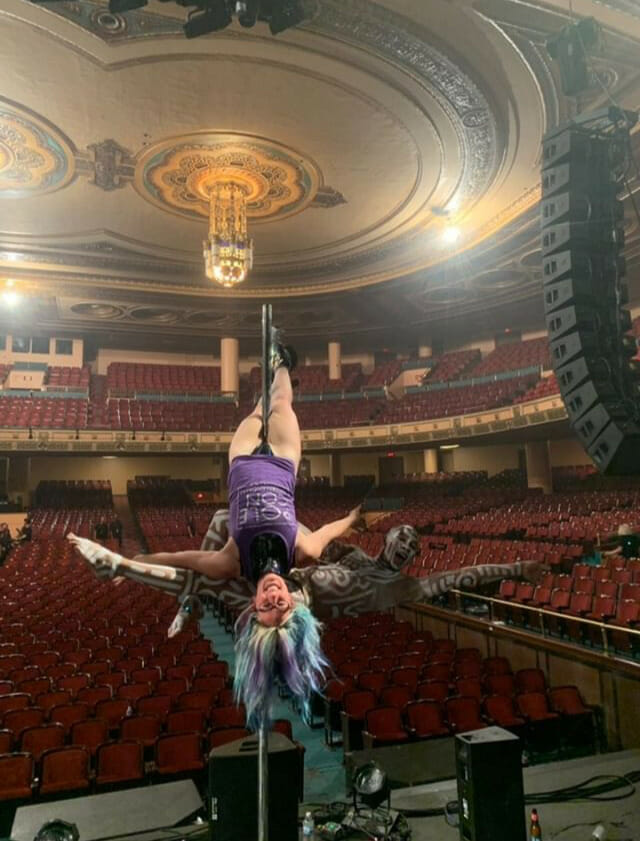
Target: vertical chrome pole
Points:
(266, 370)
(263, 735)
(263, 783)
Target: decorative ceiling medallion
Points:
(399, 40)
(444, 296)
(35, 158)
(499, 279)
(156, 315)
(93, 310)
(205, 317)
(179, 174)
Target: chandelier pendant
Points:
(228, 250)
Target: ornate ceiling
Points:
(357, 137)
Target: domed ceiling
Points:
(359, 136)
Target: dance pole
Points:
(263, 736)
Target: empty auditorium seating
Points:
(129, 378)
(513, 356)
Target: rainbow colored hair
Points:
(290, 654)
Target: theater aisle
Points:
(324, 773)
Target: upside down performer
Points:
(344, 582)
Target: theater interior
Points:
(439, 201)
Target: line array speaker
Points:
(583, 268)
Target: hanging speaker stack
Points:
(585, 295)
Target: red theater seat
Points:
(118, 763)
(463, 714)
(90, 734)
(383, 726)
(425, 720)
(36, 740)
(16, 775)
(65, 770)
(178, 754)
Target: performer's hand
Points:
(532, 571)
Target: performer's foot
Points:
(98, 556)
(282, 356)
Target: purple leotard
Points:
(261, 499)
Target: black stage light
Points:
(285, 14)
(117, 6)
(247, 11)
(57, 830)
(213, 18)
(371, 785)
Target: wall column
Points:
(230, 371)
(335, 470)
(19, 478)
(425, 351)
(539, 466)
(335, 361)
(430, 458)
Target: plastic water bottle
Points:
(308, 826)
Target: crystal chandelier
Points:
(228, 250)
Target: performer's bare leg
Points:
(284, 430)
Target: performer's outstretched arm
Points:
(338, 590)
(312, 545)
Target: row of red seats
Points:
(89, 765)
(524, 715)
(449, 402)
(130, 377)
(452, 366)
(59, 376)
(513, 356)
(545, 387)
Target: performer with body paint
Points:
(345, 581)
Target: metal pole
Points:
(263, 783)
(263, 735)
(266, 370)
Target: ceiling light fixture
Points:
(228, 250)
(451, 235)
(449, 446)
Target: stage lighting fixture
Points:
(117, 6)
(282, 14)
(57, 830)
(214, 17)
(451, 235)
(247, 11)
(371, 785)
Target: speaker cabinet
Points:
(233, 790)
(582, 238)
(490, 790)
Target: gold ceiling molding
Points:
(179, 174)
(35, 156)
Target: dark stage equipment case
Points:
(490, 789)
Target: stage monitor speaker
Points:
(233, 790)
(117, 813)
(490, 790)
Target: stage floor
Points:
(573, 821)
